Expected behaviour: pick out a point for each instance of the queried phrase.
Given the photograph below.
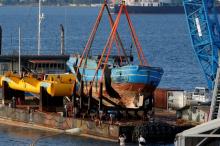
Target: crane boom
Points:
(204, 30)
(205, 35)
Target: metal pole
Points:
(0, 40)
(39, 27)
(65, 31)
(19, 51)
(62, 39)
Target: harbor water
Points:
(18, 136)
(164, 38)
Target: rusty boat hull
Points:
(136, 78)
(132, 81)
(125, 83)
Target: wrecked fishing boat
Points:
(127, 85)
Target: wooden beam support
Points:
(89, 98)
(100, 95)
(81, 94)
(74, 94)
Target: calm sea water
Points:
(164, 38)
(17, 136)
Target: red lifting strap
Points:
(93, 33)
(135, 39)
(142, 59)
(118, 40)
(113, 36)
(109, 42)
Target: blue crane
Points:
(204, 30)
(205, 35)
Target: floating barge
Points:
(87, 108)
(154, 131)
(57, 114)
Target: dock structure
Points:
(94, 106)
(207, 134)
(45, 64)
(203, 21)
(39, 63)
(36, 119)
(90, 112)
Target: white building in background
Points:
(143, 2)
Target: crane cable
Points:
(91, 38)
(107, 44)
(117, 45)
(135, 39)
(110, 44)
(118, 37)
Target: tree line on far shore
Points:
(49, 2)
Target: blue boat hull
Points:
(136, 74)
(129, 79)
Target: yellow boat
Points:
(55, 84)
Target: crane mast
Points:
(204, 30)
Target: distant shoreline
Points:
(64, 5)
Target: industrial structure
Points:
(70, 100)
(204, 30)
(88, 96)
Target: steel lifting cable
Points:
(107, 44)
(94, 32)
(138, 46)
(95, 29)
(117, 36)
(135, 39)
(110, 41)
(90, 41)
(116, 42)
(91, 37)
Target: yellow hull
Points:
(56, 84)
